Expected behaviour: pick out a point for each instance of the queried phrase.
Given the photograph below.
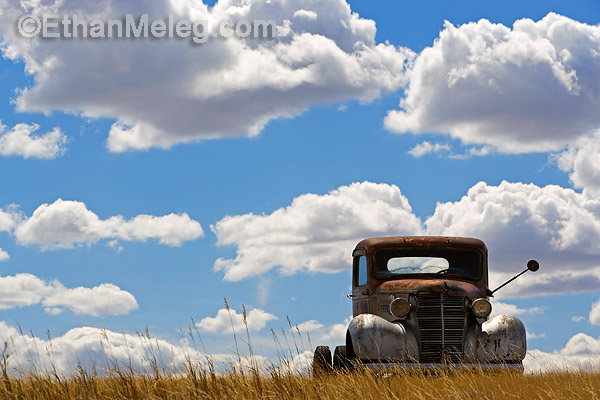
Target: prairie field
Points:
(250, 384)
(38, 372)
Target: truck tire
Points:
(322, 361)
(341, 363)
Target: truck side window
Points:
(362, 270)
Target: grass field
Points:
(200, 384)
(35, 374)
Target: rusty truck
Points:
(423, 302)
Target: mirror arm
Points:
(506, 283)
(532, 266)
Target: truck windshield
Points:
(462, 263)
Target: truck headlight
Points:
(481, 308)
(399, 307)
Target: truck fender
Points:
(375, 338)
(502, 339)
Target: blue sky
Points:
(321, 130)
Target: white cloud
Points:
(578, 318)
(104, 299)
(424, 148)
(557, 226)
(68, 223)
(252, 364)
(309, 326)
(533, 335)
(23, 290)
(4, 256)
(320, 334)
(314, 233)
(580, 351)
(534, 87)
(298, 364)
(222, 88)
(595, 313)
(94, 349)
(472, 152)
(310, 15)
(20, 141)
(10, 218)
(263, 289)
(582, 161)
(518, 221)
(500, 308)
(256, 319)
(301, 364)
(336, 332)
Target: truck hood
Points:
(454, 288)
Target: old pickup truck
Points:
(423, 301)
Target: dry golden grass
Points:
(200, 384)
(198, 379)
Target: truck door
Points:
(360, 288)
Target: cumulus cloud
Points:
(578, 318)
(534, 87)
(595, 313)
(301, 364)
(424, 148)
(95, 349)
(309, 326)
(4, 256)
(10, 218)
(533, 335)
(21, 141)
(315, 233)
(336, 332)
(500, 308)
(104, 299)
(99, 350)
(324, 52)
(581, 351)
(298, 364)
(68, 223)
(23, 290)
(582, 161)
(256, 319)
(557, 226)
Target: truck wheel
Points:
(321, 361)
(340, 359)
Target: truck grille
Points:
(441, 319)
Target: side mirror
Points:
(533, 265)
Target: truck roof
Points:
(421, 241)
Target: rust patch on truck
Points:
(453, 287)
(431, 285)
